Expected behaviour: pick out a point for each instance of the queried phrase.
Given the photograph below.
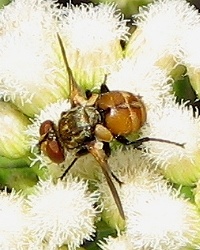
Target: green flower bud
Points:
(12, 137)
(184, 171)
(194, 76)
(178, 157)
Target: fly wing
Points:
(101, 157)
(75, 94)
(114, 191)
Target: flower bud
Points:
(12, 137)
(31, 74)
(92, 35)
(161, 27)
(178, 157)
(70, 217)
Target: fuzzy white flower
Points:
(94, 28)
(167, 13)
(188, 54)
(188, 50)
(122, 242)
(156, 218)
(142, 79)
(62, 213)
(160, 26)
(31, 74)
(125, 164)
(36, 75)
(175, 123)
(13, 227)
(92, 37)
(14, 142)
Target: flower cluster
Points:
(48, 53)
(49, 217)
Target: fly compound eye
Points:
(45, 127)
(49, 142)
(54, 151)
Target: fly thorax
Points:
(76, 126)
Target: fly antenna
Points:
(73, 86)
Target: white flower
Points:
(188, 54)
(157, 218)
(163, 22)
(14, 142)
(92, 28)
(30, 71)
(175, 123)
(14, 233)
(122, 242)
(126, 165)
(142, 79)
(62, 213)
(159, 31)
(92, 40)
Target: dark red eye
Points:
(45, 127)
(54, 151)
